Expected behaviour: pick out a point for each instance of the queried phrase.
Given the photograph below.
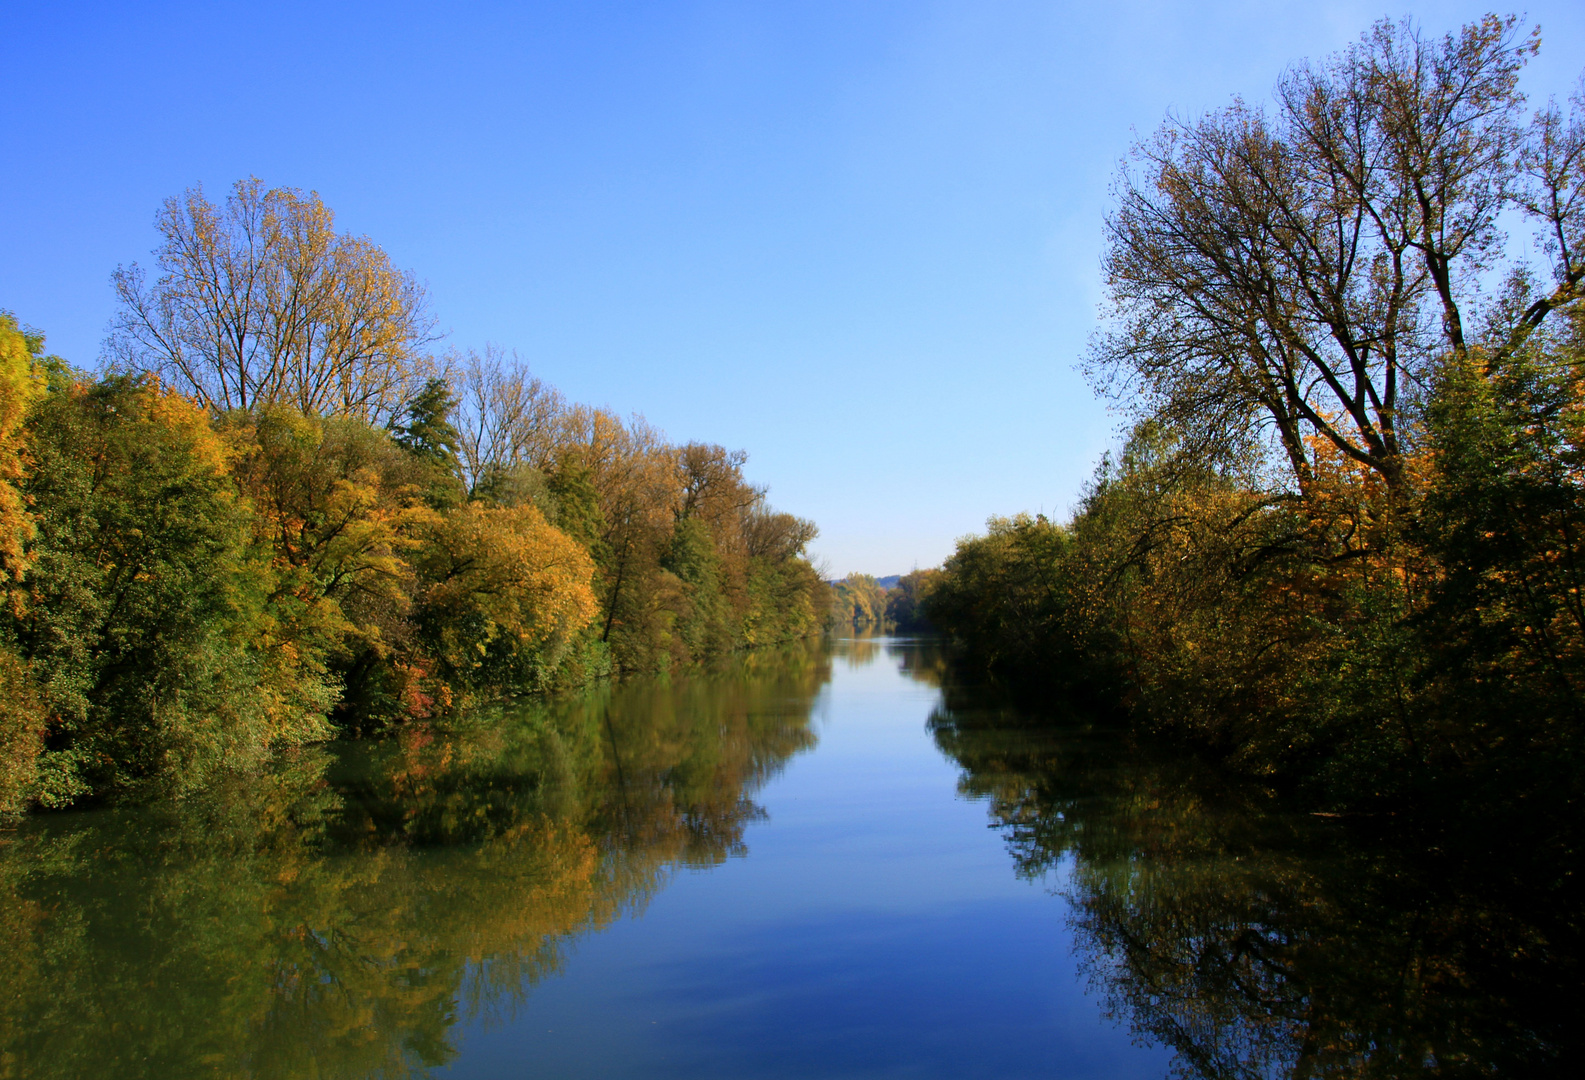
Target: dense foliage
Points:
(276, 518)
(859, 601)
(865, 602)
(20, 712)
(1340, 547)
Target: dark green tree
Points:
(426, 432)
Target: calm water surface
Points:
(811, 864)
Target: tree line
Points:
(862, 602)
(277, 515)
(1342, 546)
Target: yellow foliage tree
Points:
(507, 592)
(261, 302)
(20, 717)
(20, 386)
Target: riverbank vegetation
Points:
(276, 515)
(858, 601)
(1342, 546)
(864, 602)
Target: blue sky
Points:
(859, 240)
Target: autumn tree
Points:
(712, 482)
(261, 301)
(21, 717)
(1340, 549)
(507, 421)
(1300, 271)
(503, 596)
(20, 385)
(146, 613)
(632, 472)
(709, 549)
(340, 507)
(769, 534)
(859, 600)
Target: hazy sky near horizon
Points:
(859, 240)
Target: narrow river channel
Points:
(813, 863)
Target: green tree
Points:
(426, 432)
(905, 606)
(1502, 628)
(144, 612)
(704, 621)
(1004, 598)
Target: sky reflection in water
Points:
(875, 929)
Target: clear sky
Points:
(858, 239)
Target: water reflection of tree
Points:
(861, 647)
(1261, 944)
(340, 915)
(922, 658)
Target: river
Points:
(816, 862)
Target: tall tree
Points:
(20, 386)
(1298, 273)
(506, 418)
(261, 301)
(21, 716)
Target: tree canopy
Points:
(1299, 271)
(262, 302)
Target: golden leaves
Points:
(263, 302)
(507, 572)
